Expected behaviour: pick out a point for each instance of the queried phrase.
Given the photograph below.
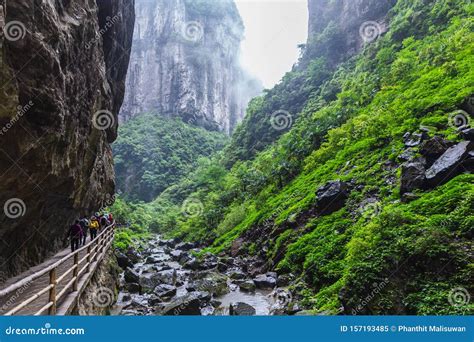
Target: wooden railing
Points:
(80, 268)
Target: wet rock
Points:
(165, 291)
(236, 246)
(468, 162)
(241, 309)
(282, 299)
(123, 261)
(413, 175)
(449, 164)
(414, 139)
(152, 260)
(215, 303)
(167, 276)
(237, 275)
(126, 298)
(283, 280)
(263, 281)
(212, 282)
(185, 305)
(247, 286)
(155, 300)
(152, 280)
(185, 246)
(133, 255)
(184, 258)
(192, 264)
(131, 276)
(133, 287)
(433, 148)
(168, 243)
(176, 254)
(221, 267)
(407, 155)
(467, 133)
(331, 197)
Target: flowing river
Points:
(166, 278)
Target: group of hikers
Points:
(80, 227)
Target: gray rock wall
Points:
(62, 74)
(185, 63)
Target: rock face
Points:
(355, 23)
(63, 67)
(100, 295)
(184, 63)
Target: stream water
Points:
(166, 279)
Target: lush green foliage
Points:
(153, 152)
(349, 125)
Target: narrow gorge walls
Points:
(184, 63)
(63, 67)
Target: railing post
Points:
(76, 271)
(88, 258)
(52, 291)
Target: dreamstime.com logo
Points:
(369, 31)
(459, 297)
(192, 207)
(14, 208)
(192, 31)
(104, 297)
(281, 119)
(103, 119)
(14, 30)
(46, 330)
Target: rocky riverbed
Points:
(167, 278)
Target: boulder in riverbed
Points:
(131, 276)
(122, 260)
(165, 291)
(186, 305)
(241, 309)
(263, 281)
(247, 286)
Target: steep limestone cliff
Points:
(184, 63)
(63, 67)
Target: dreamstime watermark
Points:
(459, 297)
(103, 297)
(109, 22)
(371, 209)
(13, 298)
(192, 31)
(369, 31)
(377, 288)
(46, 330)
(14, 30)
(192, 207)
(281, 119)
(21, 110)
(458, 119)
(14, 208)
(103, 119)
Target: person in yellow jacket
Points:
(93, 227)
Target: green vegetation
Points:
(348, 124)
(153, 152)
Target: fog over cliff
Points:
(185, 63)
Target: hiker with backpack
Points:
(75, 234)
(84, 222)
(93, 227)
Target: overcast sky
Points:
(273, 29)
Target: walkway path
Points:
(29, 283)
